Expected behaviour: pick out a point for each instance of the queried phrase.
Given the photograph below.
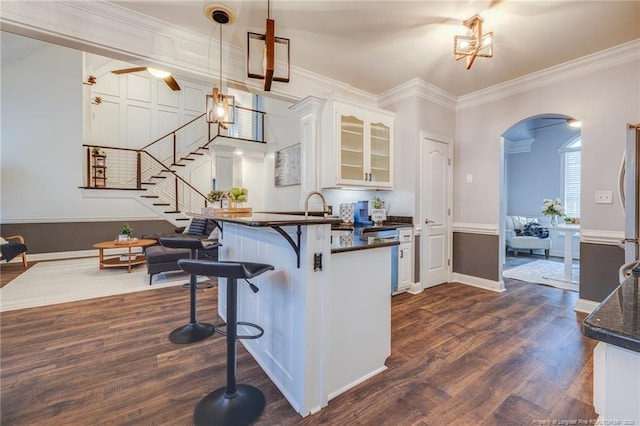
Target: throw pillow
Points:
(533, 229)
(197, 226)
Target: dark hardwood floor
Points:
(460, 355)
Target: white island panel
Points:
(288, 306)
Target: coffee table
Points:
(116, 262)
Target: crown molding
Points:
(626, 52)
(417, 88)
(110, 30)
(518, 146)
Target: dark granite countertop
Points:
(270, 219)
(386, 226)
(353, 241)
(617, 319)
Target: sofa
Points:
(525, 233)
(164, 259)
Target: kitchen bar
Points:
(316, 345)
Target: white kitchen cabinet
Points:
(405, 254)
(357, 147)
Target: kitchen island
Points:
(326, 311)
(616, 366)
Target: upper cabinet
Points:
(357, 147)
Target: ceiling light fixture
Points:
(262, 50)
(220, 108)
(474, 45)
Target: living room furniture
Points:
(117, 261)
(164, 259)
(234, 404)
(515, 225)
(9, 250)
(194, 331)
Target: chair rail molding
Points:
(475, 228)
(597, 236)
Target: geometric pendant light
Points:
(220, 108)
(262, 51)
(473, 45)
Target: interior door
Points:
(435, 213)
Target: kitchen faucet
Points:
(325, 209)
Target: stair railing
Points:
(156, 163)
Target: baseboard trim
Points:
(585, 306)
(356, 382)
(415, 288)
(497, 286)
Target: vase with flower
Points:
(554, 209)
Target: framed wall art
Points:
(287, 166)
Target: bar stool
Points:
(233, 404)
(194, 331)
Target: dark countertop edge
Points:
(365, 247)
(247, 221)
(598, 332)
(607, 336)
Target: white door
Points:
(435, 213)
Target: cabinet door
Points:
(351, 147)
(380, 148)
(404, 266)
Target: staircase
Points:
(157, 174)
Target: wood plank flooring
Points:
(460, 355)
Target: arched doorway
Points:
(541, 161)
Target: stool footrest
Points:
(217, 328)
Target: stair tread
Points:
(147, 183)
(187, 159)
(173, 211)
(178, 164)
(196, 153)
(181, 218)
(158, 177)
(150, 196)
(161, 204)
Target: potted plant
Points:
(553, 209)
(378, 214)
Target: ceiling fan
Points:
(572, 122)
(164, 75)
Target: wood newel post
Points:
(88, 167)
(139, 170)
(176, 209)
(174, 148)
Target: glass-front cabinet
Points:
(357, 148)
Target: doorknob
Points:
(427, 221)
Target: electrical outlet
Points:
(604, 197)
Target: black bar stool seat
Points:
(232, 405)
(194, 331)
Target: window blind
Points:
(572, 166)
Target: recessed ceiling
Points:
(377, 45)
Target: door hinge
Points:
(448, 212)
(449, 161)
(448, 262)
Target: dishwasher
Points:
(387, 234)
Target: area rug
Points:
(61, 281)
(545, 272)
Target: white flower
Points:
(552, 208)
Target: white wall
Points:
(282, 130)
(42, 157)
(536, 175)
(604, 100)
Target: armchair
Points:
(514, 225)
(9, 250)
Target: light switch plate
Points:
(604, 197)
(469, 178)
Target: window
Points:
(571, 161)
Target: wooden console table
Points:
(116, 262)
